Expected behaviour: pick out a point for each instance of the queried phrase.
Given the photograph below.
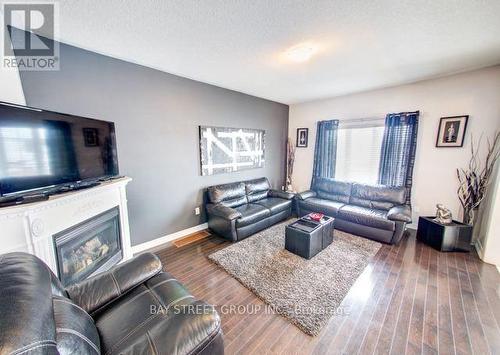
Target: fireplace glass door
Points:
(88, 248)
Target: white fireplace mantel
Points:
(30, 228)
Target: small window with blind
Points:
(359, 144)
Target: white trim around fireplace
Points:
(31, 227)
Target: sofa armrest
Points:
(306, 194)
(96, 292)
(281, 194)
(223, 211)
(400, 213)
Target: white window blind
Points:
(358, 150)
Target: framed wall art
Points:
(451, 131)
(302, 137)
(226, 150)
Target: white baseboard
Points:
(167, 239)
(480, 252)
(479, 249)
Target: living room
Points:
(245, 177)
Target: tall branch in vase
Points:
(475, 178)
(290, 161)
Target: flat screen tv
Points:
(40, 149)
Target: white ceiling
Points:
(239, 44)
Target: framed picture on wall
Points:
(302, 137)
(227, 150)
(452, 131)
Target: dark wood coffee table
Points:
(306, 237)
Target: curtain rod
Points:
(361, 119)
(374, 118)
(409, 112)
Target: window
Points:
(359, 145)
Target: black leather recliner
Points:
(134, 308)
(240, 209)
(372, 211)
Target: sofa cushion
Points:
(251, 213)
(26, 309)
(377, 196)
(331, 189)
(230, 195)
(156, 315)
(95, 292)
(75, 329)
(366, 216)
(275, 204)
(257, 189)
(327, 207)
(235, 202)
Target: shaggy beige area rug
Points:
(307, 292)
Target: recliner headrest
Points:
(26, 304)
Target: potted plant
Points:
(474, 179)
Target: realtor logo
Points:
(28, 32)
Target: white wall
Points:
(11, 89)
(475, 93)
(488, 245)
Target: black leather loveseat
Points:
(134, 308)
(373, 211)
(239, 209)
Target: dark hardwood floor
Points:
(410, 299)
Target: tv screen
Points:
(39, 149)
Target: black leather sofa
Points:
(373, 211)
(240, 209)
(135, 308)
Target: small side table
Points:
(455, 236)
(307, 238)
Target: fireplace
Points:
(88, 248)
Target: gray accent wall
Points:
(157, 117)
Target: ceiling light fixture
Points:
(301, 52)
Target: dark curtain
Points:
(325, 151)
(398, 150)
